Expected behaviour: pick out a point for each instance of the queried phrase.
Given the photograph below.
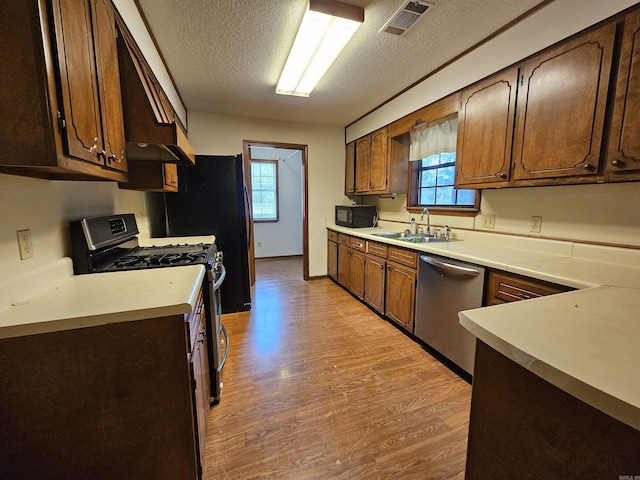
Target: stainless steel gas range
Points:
(110, 243)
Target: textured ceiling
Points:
(226, 55)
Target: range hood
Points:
(152, 130)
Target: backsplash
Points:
(601, 213)
(46, 207)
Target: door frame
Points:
(246, 150)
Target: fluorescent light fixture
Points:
(326, 28)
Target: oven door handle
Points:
(223, 329)
(223, 274)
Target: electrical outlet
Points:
(259, 244)
(24, 242)
(536, 224)
(488, 221)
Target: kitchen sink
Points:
(423, 239)
(407, 237)
(389, 234)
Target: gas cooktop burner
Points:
(163, 256)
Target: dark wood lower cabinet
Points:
(401, 294)
(113, 401)
(356, 274)
(332, 260)
(524, 427)
(344, 260)
(375, 273)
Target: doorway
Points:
(253, 150)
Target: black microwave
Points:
(356, 216)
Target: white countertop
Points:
(56, 299)
(585, 342)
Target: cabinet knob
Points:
(588, 167)
(503, 175)
(617, 163)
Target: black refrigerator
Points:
(211, 200)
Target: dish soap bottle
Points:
(413, 228)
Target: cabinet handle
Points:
(102, 154)
(113, 158)
(617, 163)
(588, 167)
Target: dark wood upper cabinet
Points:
(485, 131)
(350, 169)
(623, 155)
(381, 163)
(62, 108)
(379, 173)
(561, 108)
(363, 164)
(109, 83)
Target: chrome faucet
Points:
(425, 209)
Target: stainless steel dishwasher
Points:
(446, 287)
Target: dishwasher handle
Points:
(449, 267)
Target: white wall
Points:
(284, 237)
(46, 207)
(213, 134)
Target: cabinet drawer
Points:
(377, 249)
(344, 239)
(332, 236)
(358, 244)
(503, 288)
(405, 257)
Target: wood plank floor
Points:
(317, 386)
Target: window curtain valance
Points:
(433, 138)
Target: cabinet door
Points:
(485, 131)
(374, 282)
(202, 390)
(350, 169)
(79, 84)
(170, 174)
(401, 294)
(561, 105)
(344, 254)
(356, 274)
(623, 156)
(332, 260)
(363, 164)
(379, 171)
(106, 52)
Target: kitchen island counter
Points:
(583, 342)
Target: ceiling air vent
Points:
(405, 17)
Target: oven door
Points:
(217, 335)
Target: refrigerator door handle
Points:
(450, 268)
(250, 219)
